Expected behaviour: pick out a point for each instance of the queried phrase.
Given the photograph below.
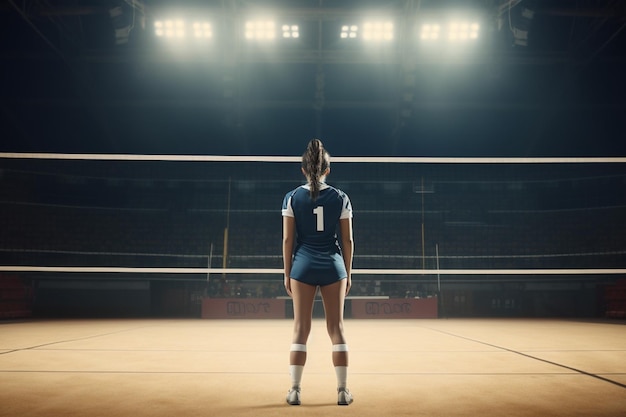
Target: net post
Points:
(439, 294)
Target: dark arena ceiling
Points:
(526, 78)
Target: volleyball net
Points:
(217, 218)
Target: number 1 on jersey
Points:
(319, 214)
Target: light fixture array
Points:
(179, 29)
(455, 31)
(370, 31)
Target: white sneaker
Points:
(293, 396)
(344, 397)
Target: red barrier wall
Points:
(243, 308)
(395, 308)
(16, 297)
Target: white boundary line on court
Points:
(265, 158)
(139, 270)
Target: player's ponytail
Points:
(315, 162)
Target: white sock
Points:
(295, 372)
(342, 376)
(341, 371)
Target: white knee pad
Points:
(340, 348)
(296, 347)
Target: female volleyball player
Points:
(312, 213)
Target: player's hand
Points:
(348, 284)
(288, 285)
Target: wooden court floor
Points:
(177, 368)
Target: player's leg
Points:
(303, 296)
(334, 296)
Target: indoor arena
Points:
(468, 191)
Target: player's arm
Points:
(347, 247)
(289, 233)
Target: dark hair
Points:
(315, 161)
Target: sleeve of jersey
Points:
(346, 210)
(287, 211)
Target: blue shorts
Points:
(317, 268)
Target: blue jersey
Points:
(317, 253)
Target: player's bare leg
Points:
(303, 297)
(334, 296)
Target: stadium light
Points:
(260, 30)
(291, 31)
(349, 31)
(454, 31)
(378, 31)
(180, 29)
(170, 28)
(463, 31)
(202, 30)
(430, 32)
